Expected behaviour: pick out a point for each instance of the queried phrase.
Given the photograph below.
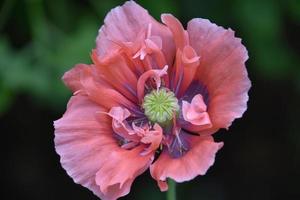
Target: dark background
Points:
(41, 39)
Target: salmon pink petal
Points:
(80, 139)
(84, 79)
(195, 113)
(194, 162)
(124, 23)
(152, 137)
(198, 103)
(190, 63)
(102, 93)
(154, 42)
(179, 34)
(120, 126)
(145, 52)
(88, 151)
(119, 114)
(72, 78)
(182, 71)
(222, 70)
(186, 65)
(122, 166)
(112, 70)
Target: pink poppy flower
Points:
(152, 98)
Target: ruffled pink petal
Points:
(179, 34)
(80, 139)
(222, 70)
(119, 113)
(116, 175)
(72, 77)
(195, 113)
(116, 71)
(190, 62)
(120, 126)
(124, 23)
(97, 89)
(152, 137)
(90, 154)
(145, 52)
(195, 162)
(84, 79)
(186, 65)
(154, 42)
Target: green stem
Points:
(171, 193)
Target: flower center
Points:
(160, 106)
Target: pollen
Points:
(160, 105)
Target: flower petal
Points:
(194, 114)
(79, 140)
(195, 162)
(120, 170)
(179, 34)
(85, 79)
(72, 78)
(90, 154)
(190, 63)
(120, 125)
(222, 70)
(124, 23)
(184, 70)
(117, 73)
(152, 137)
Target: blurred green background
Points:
(41, 39)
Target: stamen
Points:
(155, 74)
(179, 145)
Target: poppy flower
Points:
(152, 98)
